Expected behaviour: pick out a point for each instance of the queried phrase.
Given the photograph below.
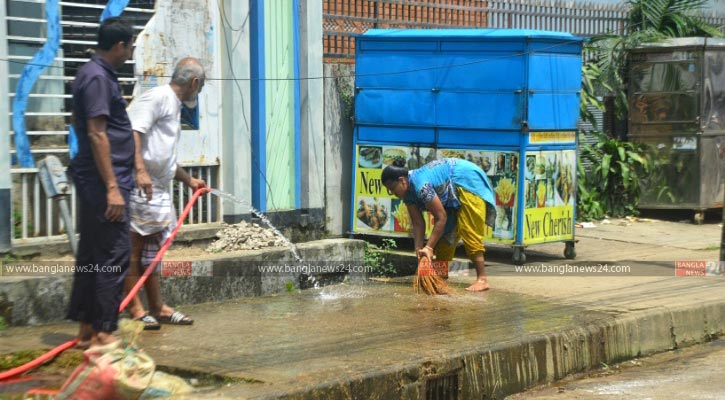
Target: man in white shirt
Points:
(155, 118)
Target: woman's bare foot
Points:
(480, 286)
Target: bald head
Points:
(186, 70)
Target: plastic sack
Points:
(164, 385)
(116, 371)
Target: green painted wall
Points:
(280, 103)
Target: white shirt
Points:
(156, 115)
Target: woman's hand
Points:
(426, 251)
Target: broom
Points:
(427, 279)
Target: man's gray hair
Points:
(186, 70)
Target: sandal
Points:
(177, 318)
(149, 323)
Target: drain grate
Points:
(442, 388)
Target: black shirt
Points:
(96, 93)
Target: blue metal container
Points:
(507, 100)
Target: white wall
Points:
(236, 123)
(312, 105)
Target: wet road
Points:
(691, 373)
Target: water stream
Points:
(307, 280)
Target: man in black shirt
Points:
(102, 172)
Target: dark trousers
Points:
(103, 254)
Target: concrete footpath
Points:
(380, 340)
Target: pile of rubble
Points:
(244, 236)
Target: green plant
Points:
(377, 258)
(347, 96)
(590, 87)
(3, 324)
(18, 224)
(348, 99)
(589, 204)
(10, 258)
(612, 186)
(289, 286)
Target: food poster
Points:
(376, 210)
(549, 190)
(502, 168)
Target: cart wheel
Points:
(519, 257)
(569, 251)
(699, 217)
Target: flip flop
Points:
(149, 323)
(177, 318)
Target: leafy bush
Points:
(611, 187)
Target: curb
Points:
(32, 300)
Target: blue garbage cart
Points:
(507, 100)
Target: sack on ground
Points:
(164, 385)
(116, 371)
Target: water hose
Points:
(65, 346)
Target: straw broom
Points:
(427, 279)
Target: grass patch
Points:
(64, 363)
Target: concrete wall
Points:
(31, 300)
(312, 105)
(338, 146)
(236, 119)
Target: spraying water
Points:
(261, 216)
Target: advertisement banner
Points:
(502, 169)
(376, 210)
(549, 190)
